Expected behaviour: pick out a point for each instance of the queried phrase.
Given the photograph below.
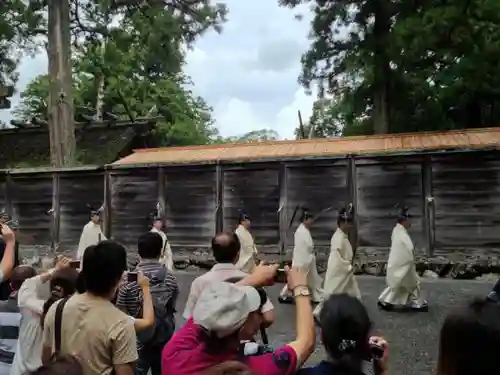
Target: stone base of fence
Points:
(367, 262)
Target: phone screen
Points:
(74, 264)
(132, 277)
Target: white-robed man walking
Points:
(91, 233)
(166, 254)
(340, 273)
(403, 290)
(248, 251)
(304, 258)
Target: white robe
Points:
(402, 278)
(246, 261)
(166, 253)
(304, 257)
(340, 274)
(91, 235)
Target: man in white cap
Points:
(227, 314)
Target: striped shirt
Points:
(10, 320)
(130, 295)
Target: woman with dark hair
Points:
(62, 285)
(470, 340)
(345, 334)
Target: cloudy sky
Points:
(248, 74)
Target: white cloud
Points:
(237, 117)
(248, 73)
(30, 68)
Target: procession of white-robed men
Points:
(92, 234)
(403, 284)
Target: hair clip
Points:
(346, 344)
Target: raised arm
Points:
(8, 259)
(303, 345)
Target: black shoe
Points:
(385, 306)
(286, 300)
(423, 308)
(493, 297)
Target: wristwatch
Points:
(301, 291)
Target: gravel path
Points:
(413, 338)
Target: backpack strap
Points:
(58, 326)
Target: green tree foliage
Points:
(187, 117)
(326, 121)
(261, 135)
(19, 23)
(130, 54)
(398, 66)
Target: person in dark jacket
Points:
(5, 289)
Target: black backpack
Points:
(164, 326)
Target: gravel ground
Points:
(413, 337)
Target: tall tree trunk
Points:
(100, 82)
(382, 72)
(60, 113)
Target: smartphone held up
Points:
(132, 277)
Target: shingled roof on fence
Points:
(317, 148)
(96, 144)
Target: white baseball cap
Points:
(223, 308)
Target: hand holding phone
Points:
(132, 277)
(74, 264)
(7, 233)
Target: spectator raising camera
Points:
(31, 305)
(227, 314)
(226, 251)
(164, 290)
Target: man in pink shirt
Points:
(226, 314)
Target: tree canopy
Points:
(128, 58)
(395, 66)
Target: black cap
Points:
(243, 215)
(403, 213)
(346, 213)
(94, 212)
(306, 214)
(156, 215)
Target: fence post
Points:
(56, 215)
(161, 183)
(219, 198)
(283, 212)
(428, 204)
(352, 197)
(8, 194)
(108, 210)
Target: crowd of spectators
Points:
(101, 318)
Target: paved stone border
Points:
(460, 267)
